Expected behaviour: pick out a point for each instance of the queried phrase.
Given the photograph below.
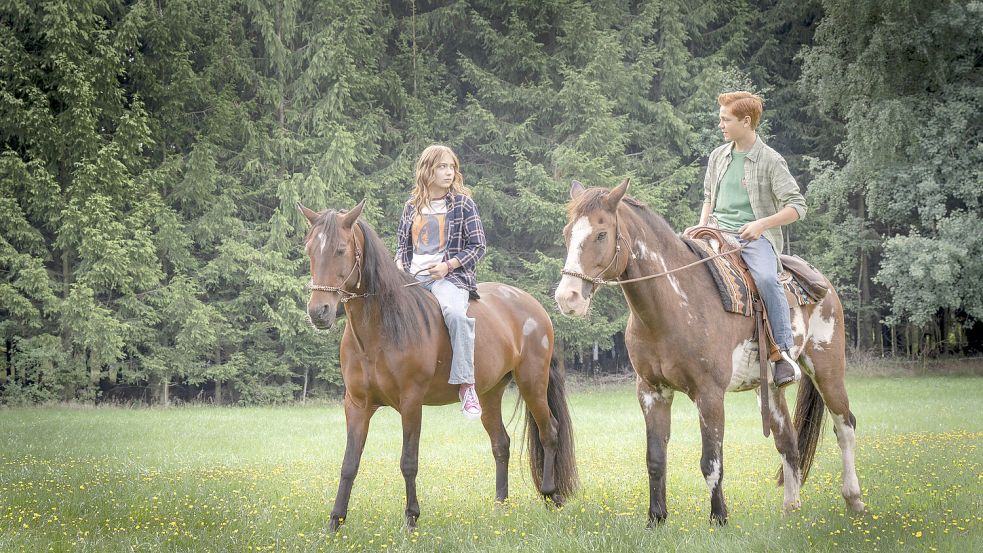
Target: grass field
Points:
(253, 479)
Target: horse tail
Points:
(808, 421)
(565, 467)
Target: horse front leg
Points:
(411, 411)
(357, 422)
(656, 403)
(711, 408)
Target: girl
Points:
(440, 240)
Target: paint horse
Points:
(396, 352)
(680, 338)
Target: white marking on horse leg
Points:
(529, 326)
(776, 413)
(648, 399)
(792, 486)
(713, 479)
(846, 438)
(546, 342)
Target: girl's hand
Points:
(439, 270)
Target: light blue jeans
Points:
(763, 264)
(454, 305)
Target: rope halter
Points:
(346, 296)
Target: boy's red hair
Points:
(743, 104)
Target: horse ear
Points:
(348, 219)
(614, 197)
(309, 213)
(576, 189)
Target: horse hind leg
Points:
(552, 461)
(829, 380)
(491, 419)
(786, 444)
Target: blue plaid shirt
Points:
(465, 239)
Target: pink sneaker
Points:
(469, 402)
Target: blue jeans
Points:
(454, 306)
(763, 264)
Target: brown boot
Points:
(785, 372)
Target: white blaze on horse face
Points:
(323, 239)
(529, 326)
(578, 235)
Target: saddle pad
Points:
(731, 284)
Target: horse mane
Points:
(596, 198)
(403, 310)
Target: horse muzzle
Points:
(322, 316)
(573, 297)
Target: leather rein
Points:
(598, 281)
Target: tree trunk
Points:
(165, 398)
(218, 392)
(303, 394)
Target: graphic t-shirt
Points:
(733, 209)
(429, 233)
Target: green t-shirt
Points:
(733, 207)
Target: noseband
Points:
(598, 281)
(345, 294)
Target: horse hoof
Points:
(656, 521)
(554, 500)
(718, 520)
(411, 523)
(335, 523)
(856, 505)
(791, 506)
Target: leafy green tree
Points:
(905, 80)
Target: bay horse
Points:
(396, 352)
(680, 338)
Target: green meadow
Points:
(263, 479)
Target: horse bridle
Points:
(598, 281)
(346, 296)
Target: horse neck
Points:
(659, 302)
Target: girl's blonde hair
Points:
(424, 175)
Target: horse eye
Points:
(601, 236)
(340, 251)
